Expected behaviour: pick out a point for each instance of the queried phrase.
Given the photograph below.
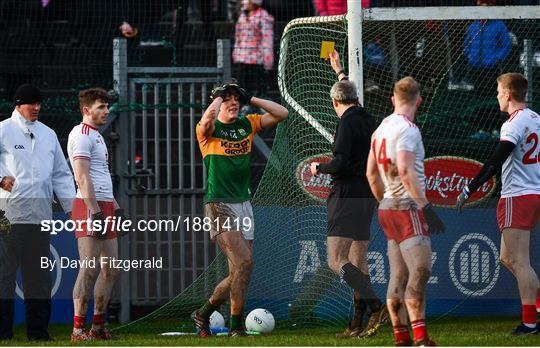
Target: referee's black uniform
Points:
(350, 203)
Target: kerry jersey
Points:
(227, 157)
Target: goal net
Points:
(456, 58)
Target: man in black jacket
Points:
(351, 203)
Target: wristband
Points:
(340, 72)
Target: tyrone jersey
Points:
(397, 133)
(227, 157)
(521, 170)
(86, 143)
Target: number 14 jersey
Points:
(397, 133)
(521, 170)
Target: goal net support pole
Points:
(354, 28)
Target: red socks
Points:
(401, 335)
(419, 329)
(99, 320)
(529, 314)
(538, 300)
(79, 322)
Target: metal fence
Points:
(159, 171)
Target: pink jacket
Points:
(335, 7)
(254, 39)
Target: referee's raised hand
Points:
(336, 65)
(335, 62)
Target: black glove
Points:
(5, 225)
(245, 96)
(462, 198)
(120, 216)
(435, 224)
(99, 228)
(219, 91)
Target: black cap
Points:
(27, 94)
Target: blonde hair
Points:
(407, 90)
(516, 84)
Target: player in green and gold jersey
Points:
(226, 141)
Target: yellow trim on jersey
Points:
(255, 120)
(224, 147)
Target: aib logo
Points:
(474, 264)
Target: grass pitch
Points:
(475, 331)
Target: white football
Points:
(217, 320)
(260, 320)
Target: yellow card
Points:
(326, 48)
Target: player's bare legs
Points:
(395, 295)
(104, 284)
(515, 257)
(418, 260)
(238, 251)
(417, 257)
(222, 290)
(89, 249)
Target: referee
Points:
(351, 203)
(32, 167)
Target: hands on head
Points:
(221, 91)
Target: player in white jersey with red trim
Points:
(94, 203)
(85, 142)
(518, 210)
(395, 171)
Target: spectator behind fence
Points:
(486, 46)
(253, 52)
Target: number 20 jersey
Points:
(521, 170)
(397, 133)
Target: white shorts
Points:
(227, 217)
